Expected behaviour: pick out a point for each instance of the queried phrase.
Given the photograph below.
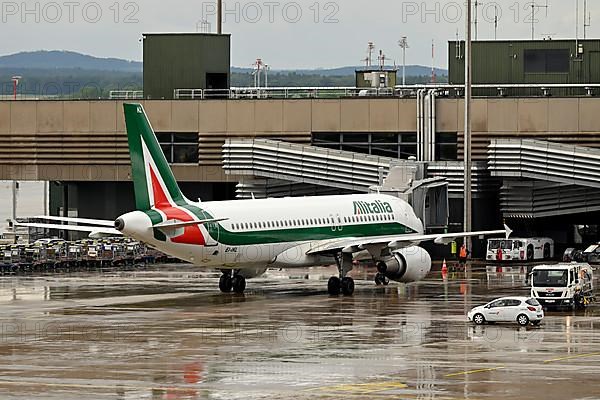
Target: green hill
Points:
(66, 74)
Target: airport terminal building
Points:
(536, 136)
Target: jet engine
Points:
(411, 264)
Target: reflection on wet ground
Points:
(169, 334)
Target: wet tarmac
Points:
(169, 334)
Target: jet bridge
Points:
(428, 196)
(276, 161)
(545, 179)
(271, 168)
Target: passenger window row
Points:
(312, 222)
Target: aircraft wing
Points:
(353, 245)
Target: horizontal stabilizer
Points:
(94, 231)
(98, 222)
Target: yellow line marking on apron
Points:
(474, 371)
(572, 357)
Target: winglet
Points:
(508, 231)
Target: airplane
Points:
(243, 238)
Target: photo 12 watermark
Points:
(71, 12)
(271, 12)
(454, 11)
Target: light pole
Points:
(15, 188)
(15, 80)
(267, 68)
(258, 64)
(403, 43)
(467, 134)
(219, 17)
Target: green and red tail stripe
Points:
(156, 190)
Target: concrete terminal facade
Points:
(77, 143)
(64, 140)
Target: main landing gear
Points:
(343, 283)
(227, 282)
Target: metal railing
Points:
(407, 91)
(188, 94)
(126, 95)
(282, 93)
(486, 90)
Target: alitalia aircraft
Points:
(243, 238)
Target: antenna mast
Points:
(587, 19)
(403, 43)
(476, 17)
(495, 22)
(381, 60)
(370, 48)
(432, 61)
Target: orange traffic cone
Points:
(444, 267)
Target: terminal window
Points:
(179, 148)
(446, 147)
(547, 61)
(393, 145)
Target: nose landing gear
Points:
(381, 279)
(343, 283)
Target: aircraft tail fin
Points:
(153, 179)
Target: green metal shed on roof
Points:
(527, 62)
(185, 61)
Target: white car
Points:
(522, 310)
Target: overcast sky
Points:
(286, 34)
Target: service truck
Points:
(513, 249)
(564, 285)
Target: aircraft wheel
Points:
(334, 285)
(348, 286)
(381, 279)
(239, 284)
(225, 283)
